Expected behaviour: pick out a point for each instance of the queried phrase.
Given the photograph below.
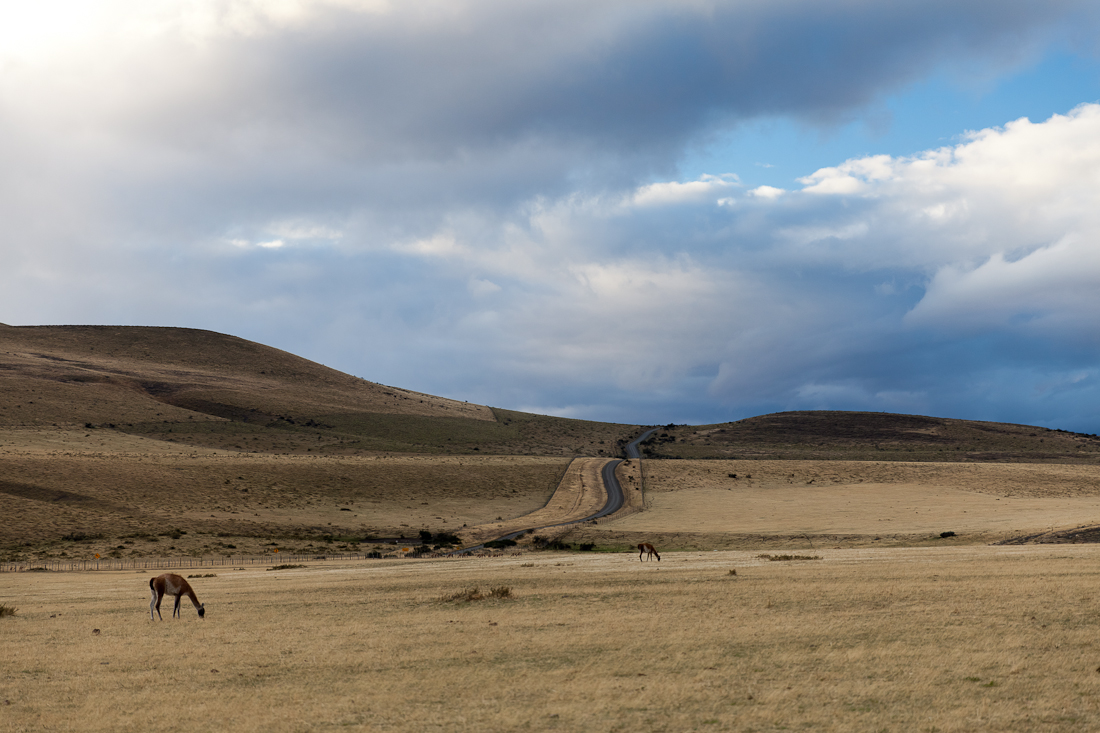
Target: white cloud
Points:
(767, 192)
(1055, 285)
(707, 188)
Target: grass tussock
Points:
(788, 558)
(468, 595)
(7, 610)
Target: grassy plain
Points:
(921, 639)
(72, 494)
(714, 504)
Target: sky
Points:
(630, 211)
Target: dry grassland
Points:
(958, 639)
(138, 490)
(202, 389)
(134, 374)
(699, 504)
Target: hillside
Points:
(205, 389)
(115, 438)
(871, 436)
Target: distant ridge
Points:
(833, 435)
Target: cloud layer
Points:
(480, 199)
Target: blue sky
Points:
(636, 212)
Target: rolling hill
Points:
(210, 390)
(872, 436)
(113, 439)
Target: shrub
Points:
(285, 567)
(500, 544)
(786, 558)
(375, 554)
(587, 546)
(81, 537)
(552, 545)
(6, 610)
(474, 594)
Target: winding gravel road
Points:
(611, 486)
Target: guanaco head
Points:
(202, 610)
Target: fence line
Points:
(168, 563)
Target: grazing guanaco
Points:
(172, 585)
(644, 548)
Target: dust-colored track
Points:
(589, 490)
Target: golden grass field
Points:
(922, 639)
(149, 443)
(699, 505)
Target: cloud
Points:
(491, 186)
(707, 188)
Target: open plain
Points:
(820, 571)
(966, 638)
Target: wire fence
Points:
(182, 563)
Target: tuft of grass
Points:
(474, 594)
(788, 558)
(6, 610)
(285, 567)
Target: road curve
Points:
(611, 486)
(632, 449)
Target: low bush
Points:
(81, 537)
(6, 610)
(474, 594)
(285, 567)
(786, 558)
